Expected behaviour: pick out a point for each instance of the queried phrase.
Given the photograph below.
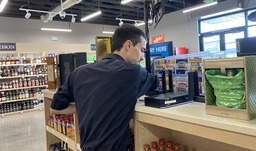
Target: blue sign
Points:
(160, 50)
(93, 46)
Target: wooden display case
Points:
(189, 126)
(53, 136)
(248, 66)
(186, 124)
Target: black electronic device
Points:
(68, 63)
(80, 59)
(246, 46)
(165, 100)
(158, 11)
(168, 98)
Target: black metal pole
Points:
(147, 54)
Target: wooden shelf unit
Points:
(186, 124)
(24, 76)
(193, 129)
(18, 100)
(53, 136)
(26, 64)
(20, 88)
(40, 86)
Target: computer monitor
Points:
(246, 46)
(158, 11)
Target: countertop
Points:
(192, 113)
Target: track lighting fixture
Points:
(73, 19)
(50, 17)
(51, 14)
(136, 22)
(27, 16)
(62, 14)
(121, 23)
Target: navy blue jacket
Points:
(105, 94)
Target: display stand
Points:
(193, 129)
(53, 136)
(7, 106)
(186, 124)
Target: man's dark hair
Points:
(124, 33)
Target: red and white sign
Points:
(157, 39)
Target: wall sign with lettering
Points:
(162, 49)
(7, 46)
(157, 39)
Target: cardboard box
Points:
(248, 64)
(51, 69)
(195, 64)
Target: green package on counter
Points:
(229, 90)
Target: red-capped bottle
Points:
(177, 147)
(146, 147)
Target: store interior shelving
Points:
(21, 81)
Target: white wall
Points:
(177, 27)
(29, 31)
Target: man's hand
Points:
(71, 109)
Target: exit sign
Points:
(208, 1)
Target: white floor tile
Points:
(23, 132)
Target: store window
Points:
(219, 33)
(230, 39)
(224, 22)
(212, 43)
(252, 31)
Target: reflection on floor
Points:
(23, 132)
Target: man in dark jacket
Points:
(104, 93)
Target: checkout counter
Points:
(187, 124)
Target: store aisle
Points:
(23, 132)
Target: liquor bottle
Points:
(17, 61)
(177, 147)
(8, 60)
(29, 82)
(3, 96)
(20, 83)
(13, 84)
(12, 60)
(24, 106)
(25, 84)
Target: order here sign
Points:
(161, 49)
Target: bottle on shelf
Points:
(176, 147)
(8, 60)
(12, 60)
(17, 61)
(146, 147)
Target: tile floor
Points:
(24, 132)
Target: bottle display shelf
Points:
(40, 86)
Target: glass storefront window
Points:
(252, 31)
(230, 39)
(211, 44)
(223, 22)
